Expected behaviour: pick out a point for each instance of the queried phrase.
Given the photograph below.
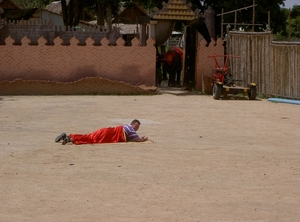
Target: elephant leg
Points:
(170, 82)
(166, 70)
(177, 70)
(158, 76)
(178, 78)
(165, 77)
(172, 76)
(170, 79)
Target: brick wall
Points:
(204, 65)
(134, 64)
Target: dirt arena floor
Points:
(226, 160)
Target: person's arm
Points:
(132, 135)
(141, 139)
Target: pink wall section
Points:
(134, 64)
(204, 64)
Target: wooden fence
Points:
(274, 66)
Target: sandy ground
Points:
(227, 160)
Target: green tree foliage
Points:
(295, 21)
(291, 28)
(295, 27)
(33, 3)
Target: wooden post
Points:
(235, 20)
(269, 20)
(143, 34)
(289, 25)
(253, 17)
(222, 24)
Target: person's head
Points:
(135, 124)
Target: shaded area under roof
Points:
(9, 4)
(18, 14)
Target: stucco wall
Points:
(204, 64)
(49, 28)
(134, 64)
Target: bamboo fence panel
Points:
(274, 66)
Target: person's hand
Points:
(145, 138)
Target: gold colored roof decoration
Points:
(175, 10)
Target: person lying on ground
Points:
(122, 133)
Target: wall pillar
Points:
(143, 34)
(152, 25)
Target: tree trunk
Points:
(65, 13)
(1, 20)
(78, 11)
(100, 13)
(71, 13)
(109, 18)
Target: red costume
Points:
(169, 57)
(179, 51)
(103, 135)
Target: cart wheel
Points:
(216, 91)
(252, 93)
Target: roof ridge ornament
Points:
(175, 10)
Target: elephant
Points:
(158, 68)
(172, 64)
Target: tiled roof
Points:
(55, 7)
